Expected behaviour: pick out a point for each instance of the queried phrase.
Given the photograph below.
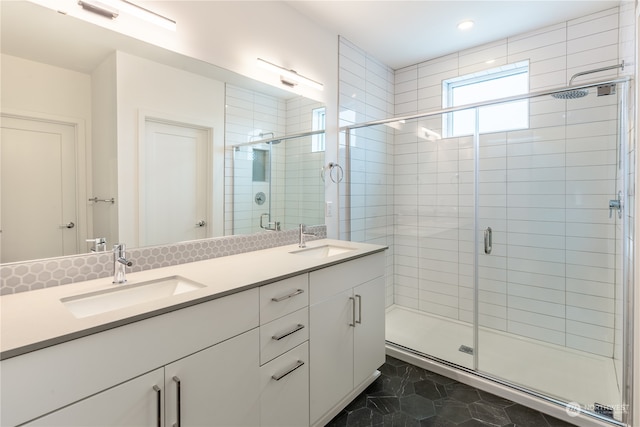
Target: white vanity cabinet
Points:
(346, 316)
(217, 386)
(133, 403)
(219, 337)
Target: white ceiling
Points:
(402, 33)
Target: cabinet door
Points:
(330, 352)
(218, 386)
(133, 403)
(369, 345)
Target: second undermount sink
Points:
(121, 296)
(324, 251)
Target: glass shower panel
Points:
(433, 309)
(547, 249)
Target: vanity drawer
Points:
(281, 298)
(283, 334)
(285, 401)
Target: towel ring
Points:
(331, 167)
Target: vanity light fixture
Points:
(112, 8)
(99, 8)
(290, 77)
(465, 25)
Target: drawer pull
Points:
(359, 298)
(278, 377)
(279, 336)
(292, 294)
(178, 402)
(159, 405)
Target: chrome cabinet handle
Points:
(295, 329)
(488, 240)
(201, 223)
(178, 401)
(158, 405)
(69, 225)
(353, 312)
(278, 377)
(292, 294)
(359, 298)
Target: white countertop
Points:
(38, 319)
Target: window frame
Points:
(449, 86)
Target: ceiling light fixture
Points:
(465, 25)
(112, 8)
(290, 77)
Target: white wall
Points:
(164, 92)
(366, 93)
(104, 164)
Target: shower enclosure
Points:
(511, 248)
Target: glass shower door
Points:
(549, 253)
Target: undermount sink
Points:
(325, 251)
(121, 296)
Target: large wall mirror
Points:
(105, 136)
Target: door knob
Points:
(69, 225)
(201, 223)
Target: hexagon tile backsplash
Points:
(29, 276)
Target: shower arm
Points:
(597, 70)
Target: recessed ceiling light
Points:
(465, 25)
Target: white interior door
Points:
(174, 185)
(38, 189)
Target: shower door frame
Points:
(627, 390)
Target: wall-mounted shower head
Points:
(579, 93)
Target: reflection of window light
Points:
(317, 123)
(500, 82)
(348, 117)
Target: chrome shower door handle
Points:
(488, 240)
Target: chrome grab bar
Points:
(488, 240)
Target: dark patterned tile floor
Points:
(407, 396)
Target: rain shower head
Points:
(580, 93)
(571, 94)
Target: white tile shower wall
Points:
(366, 93)
(304, 188)
(248, 114)
(544, 192)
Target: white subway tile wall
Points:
(366, 93)
(544, 191)
(296, 193)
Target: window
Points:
(501, 82)
(317, 141)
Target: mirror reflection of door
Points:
(38, 180)
(174, 191)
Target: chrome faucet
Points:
(119, 263)
(302, 235)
